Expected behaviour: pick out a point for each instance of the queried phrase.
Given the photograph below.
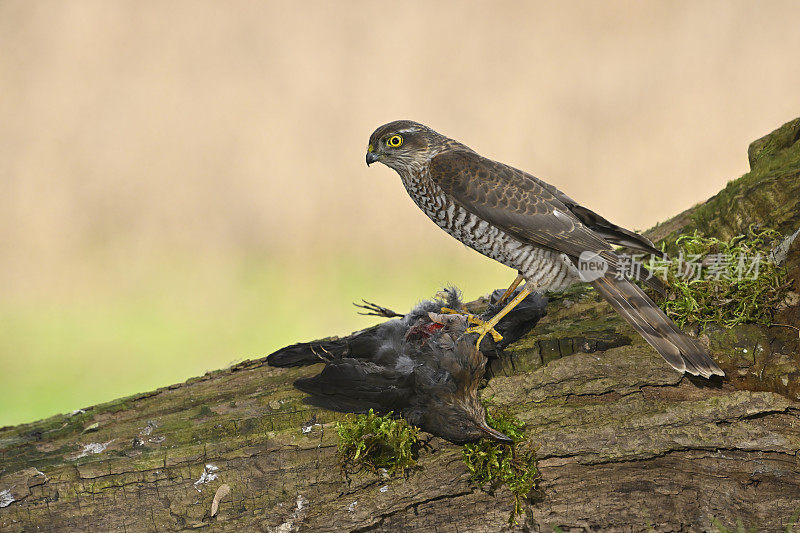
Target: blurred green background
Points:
(182, 184)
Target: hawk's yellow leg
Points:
(488, 327)
(510, 289)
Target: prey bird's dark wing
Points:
(355, 386)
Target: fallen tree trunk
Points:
(625, 443)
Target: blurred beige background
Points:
(182, 184)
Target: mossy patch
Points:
(373, 442)
(777, 150)
(725, 282)
(512, 465)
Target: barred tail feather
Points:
(680, 351)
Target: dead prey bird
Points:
(422, 367)
(529, 225)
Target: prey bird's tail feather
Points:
(307, 353)
(679, 350)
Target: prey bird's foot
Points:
(377, 310)
(482, 327)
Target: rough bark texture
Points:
(625, 443)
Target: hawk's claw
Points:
(482, 327)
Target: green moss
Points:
(776, 150)
(373, 442)
(204, 411)
(726, 290)
(719, 527)
(493, 462)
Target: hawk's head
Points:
(402, 143)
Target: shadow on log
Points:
(625, 443)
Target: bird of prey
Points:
(420, 366)
(529, 225)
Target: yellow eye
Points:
(394, 141)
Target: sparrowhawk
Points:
(530, 226)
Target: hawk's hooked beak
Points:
(494, 434)
(371, 157)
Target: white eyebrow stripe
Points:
(408, 130)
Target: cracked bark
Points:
(624, 442)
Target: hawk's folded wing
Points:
(517, 203)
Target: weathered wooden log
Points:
(624, 442)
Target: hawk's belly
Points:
(542, 268)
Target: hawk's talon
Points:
(482, 327)
(472, 319)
